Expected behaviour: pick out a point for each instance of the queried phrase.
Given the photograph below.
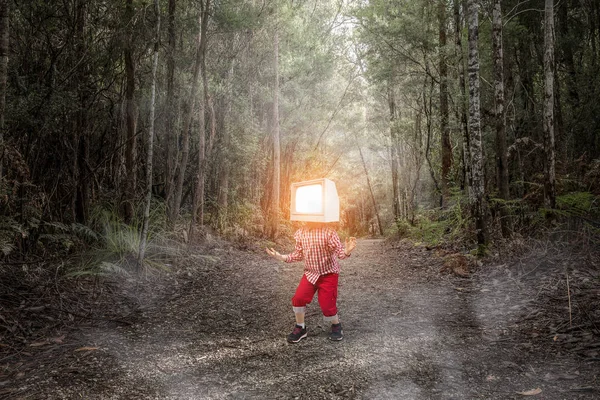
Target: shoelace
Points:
(297, 330)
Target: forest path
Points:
(410, 333)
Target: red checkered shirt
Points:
(320, 248)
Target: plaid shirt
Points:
(320, 248)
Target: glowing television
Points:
(315, 201)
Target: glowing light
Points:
(309, 199)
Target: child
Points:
(320, 247)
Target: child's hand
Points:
(273, 253)
(350, 245)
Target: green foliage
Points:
(435, 227)
(117, 249)
(9, 231)
(578, 204)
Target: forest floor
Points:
(215, 328)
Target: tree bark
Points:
(198, 200)
(462, 97)
(274, 210)
(394, 151)
(224, 171)
(148, 200)
(130, 117)
(477, 197)
(549, 168)
(444, 113)
(4, 43)
(81, 195)
(185, 134)
(170, 128)
(500, 116)
(375, 209)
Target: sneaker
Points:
(336, 332)
(297, 334)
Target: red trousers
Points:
(326, 285)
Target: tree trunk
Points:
(81, 196)
(477, 197)
(4, 38)
(375, 209)
(190, 105)
(170, 128)
(427, 110)
(130, 117)
(198, 201)
(549, 168)
(223, 190)
(144, 233)
(462, 96)
(274, 210)
(444, 127)
(394, 153)
(500, 115)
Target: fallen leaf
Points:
(555, 338)
(86, 348)
(531, 392)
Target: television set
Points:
(315, 201)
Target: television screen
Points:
(309, 199)
(315, 201)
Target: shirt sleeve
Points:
(298, 253)
(335, 245)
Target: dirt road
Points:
(410, 333)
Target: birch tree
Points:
(477, 193)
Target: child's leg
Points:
(304, 295)
(328, 289)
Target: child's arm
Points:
(335, 244)
(296, 255)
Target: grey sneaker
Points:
(336, 332)
(297, 334)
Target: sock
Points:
(302, 325)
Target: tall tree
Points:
(4, 37)
(190, 105)
(462, 96)
(477, 195)
(500, 116)
(130, 114)
(444, 110)
(170, 128)
(275, 183)
(394, 151)
(198, 202)
(80, 158)
(149, 156)
(549, 167)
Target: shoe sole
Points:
(335, 339)
(299, 339)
